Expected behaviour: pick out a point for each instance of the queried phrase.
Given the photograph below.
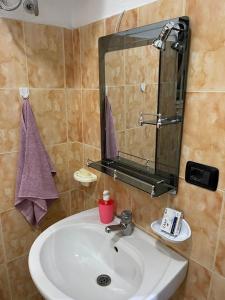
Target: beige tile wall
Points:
(48, 60)
(203, 141)
(61, 68)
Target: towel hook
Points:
(24, 92)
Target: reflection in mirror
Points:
(131, 78)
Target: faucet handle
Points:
(126, 216)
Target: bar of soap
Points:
(84, 172)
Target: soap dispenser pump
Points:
(106, 208)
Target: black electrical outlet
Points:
(202, 175)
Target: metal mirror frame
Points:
(139, 176)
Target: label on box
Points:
(171, 222)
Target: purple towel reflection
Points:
(111, 145)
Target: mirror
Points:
(142, 91)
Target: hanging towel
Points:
(35, 187)
(111, 145)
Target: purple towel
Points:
(35, 187)
(111, 146)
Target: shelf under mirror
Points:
(142, 177)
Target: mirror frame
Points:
(139, 176)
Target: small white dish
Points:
(84, 177)
(185, 232)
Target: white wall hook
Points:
(106, 90)
(142, 87)
(24, 92)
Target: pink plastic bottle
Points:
(106, 208)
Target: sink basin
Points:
(68, 257)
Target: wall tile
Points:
(121, 140)
(8, 164)
(21, 283)
(120, 193)
(12, 63)
(134, 103)
(140, 141)
(114, 68)
(134, 66)
(95, 190)
(35, 297)
(201, 209)
(91, 117)
(116, 99)
(17, 233)
(2, 254)
(77, 201)
(196, 285)
(59, 209)
(89, 54)
(69, 59)
(93, 154)
(151, 64)
(220, 259)
(207, 53)
(217, 290)
(160, 10)
(4, 284)
(151, 98)
(9, 120)
(76, 161)
(58, 155)
(203, 139)
(44, 46)
(146, 209)
(128, 21)
(49, 107)
(76, 58)
(74, 107)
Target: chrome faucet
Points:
(126, 226)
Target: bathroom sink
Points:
(76, 259)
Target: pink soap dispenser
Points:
(106, 208)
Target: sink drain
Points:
(103, 280)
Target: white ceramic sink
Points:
(66, 259)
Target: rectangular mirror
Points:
(142, 91)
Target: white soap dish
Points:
(84, 177)
(185, 232)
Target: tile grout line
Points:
(67, 148)
(5, 259)
(82, 93)
(218, 232)
(64, 57)
(184, 8)
(66, 90)
(25, 52)
(73, 57)
(111, 86)
(11, 152)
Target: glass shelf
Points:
(160, 120)
(142, 177)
